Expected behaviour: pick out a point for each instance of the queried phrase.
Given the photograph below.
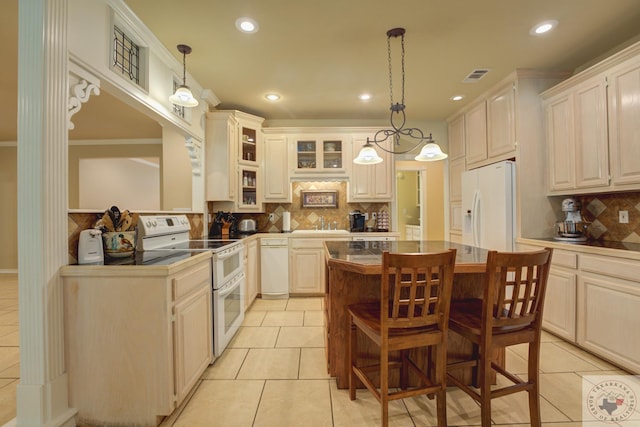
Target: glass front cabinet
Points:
(319, 155)
(250, 196)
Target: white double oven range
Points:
(169, 234)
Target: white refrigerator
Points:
(488, 206)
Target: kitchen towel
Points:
(286, 221)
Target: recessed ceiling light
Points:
(272, 96)
(457, 97)
(543, 27)
(364, 97)
(247, 25)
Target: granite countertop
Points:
(367, 255)
(597, 247)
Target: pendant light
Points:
(183, 95)
(430, 152)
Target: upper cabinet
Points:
(319, 155)
(624, 123)
(476, 133)
(490, 126)
(233, 154)
(577, 138)
(593, 128)
(277, 185)
(370, 183)
(501, 121)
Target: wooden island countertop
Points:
(353, 276)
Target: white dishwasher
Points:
(274, 267)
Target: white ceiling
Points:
(320, 55)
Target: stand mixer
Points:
(573, 228)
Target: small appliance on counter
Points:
(247, 226)
(573, 228)
(356, 221)
(90, 247)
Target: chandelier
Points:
(183, 95)
(429, 152)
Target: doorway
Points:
(418, 210)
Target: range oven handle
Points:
(231, 286)
(227, 253)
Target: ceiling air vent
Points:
(475, 75)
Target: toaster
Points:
(90, 249)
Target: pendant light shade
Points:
(183, 95)
(430, 153)
(388, 140)
(367, 156)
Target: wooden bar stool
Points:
(413, 312)
(509, 313)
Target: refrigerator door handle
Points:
(475, 226)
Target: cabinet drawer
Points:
(306, 243)
(184, 283)
(623, 269)
(564, 259)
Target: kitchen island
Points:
(353, 276)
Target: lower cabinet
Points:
(413, 232)
(306, 265)
(560, 302)
(140, 335)
(252, 274)
(608, 307)
(594, 301)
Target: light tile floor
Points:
(9, 346)
(274, 374)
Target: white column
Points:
(42, 211)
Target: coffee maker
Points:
(573, 228)
(356, 221)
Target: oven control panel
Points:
(158, 225)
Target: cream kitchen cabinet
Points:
(319, 155)
(560, 302)
(501, 122)
(252, 274)
(593, 127)
(577, 138)
(608, 307)
(490, 127)
(624, 124)
(457, 165)
(233, 156)
(370, 183)
(136, 334)
(221, 162)
(456, 129)
(307, 266)
(476, 133)
(413, 232)
(600, 295)
(277, 185)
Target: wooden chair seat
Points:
(413, 312)
(509, 313)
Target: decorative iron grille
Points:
(126, 55)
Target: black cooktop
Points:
(200, 245)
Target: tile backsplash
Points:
(306, 218)
(78, 221)
(602, 212)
